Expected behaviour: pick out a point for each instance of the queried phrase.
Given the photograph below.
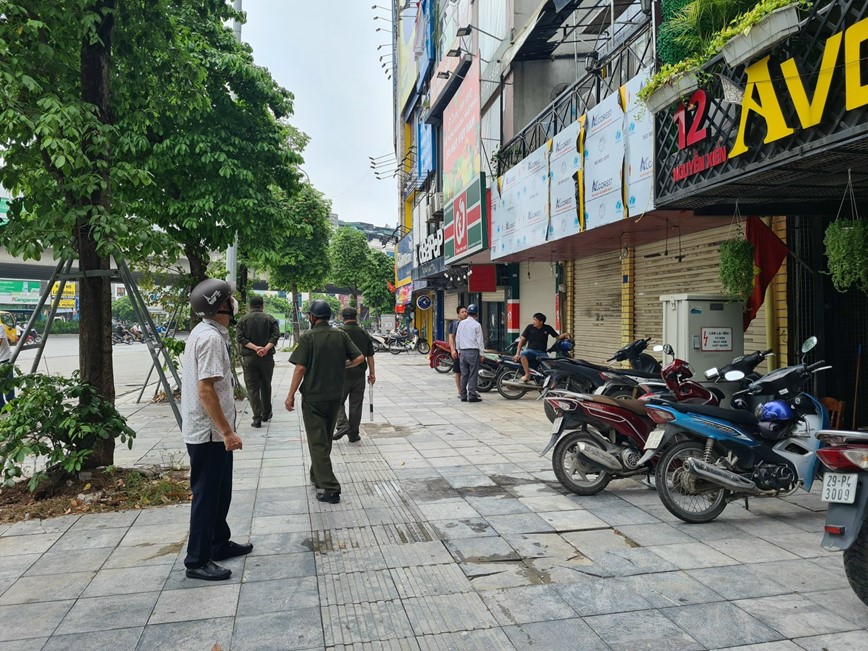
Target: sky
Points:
(325, 52)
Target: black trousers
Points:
(258, 372)
(354, 389)
(211, 483)
(319, 424)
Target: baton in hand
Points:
(371, 401)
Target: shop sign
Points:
(426, 157)
(461, 128)
(404, 260)
(603, 163)
(424, 44)
(430, 248)
(465, 222)
(404, 295)
(68, 290)
(424, 302)
(4, 210)
(20, 292)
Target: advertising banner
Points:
(465, 222)
(505, 211)
(461, 135)
(534, 215)
(565, 163)
(19, 292)
(407, 72)
(638, 148)
(404, 260)
(424, 40)
(404, 295)
(4, 209)
(603, 163)
(425, 151)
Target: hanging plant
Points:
(737, 268)
(846, 243)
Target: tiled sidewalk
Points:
(452, 534)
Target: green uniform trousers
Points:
(258, 372)
(354, 389)
(319, 418)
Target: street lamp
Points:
(467, 29)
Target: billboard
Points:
(20, 292)
(639, 148)
(424, 40)
(603, 163)
(565, 166)
(426, 156)
(404, 260)
(406, 63)
(461, 163)
(465, 222)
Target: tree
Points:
(122, 309)
(333, 302)
(349, 258)
(375, 290)
(298, 259)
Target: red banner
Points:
(768, 254)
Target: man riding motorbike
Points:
(536, 336)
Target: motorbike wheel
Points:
(443, 363)
(423, 346)
(396, 347)
(619, 393)
(484, 385)
(575, 475)
(856, 564)
(508, 392)
(687, 498)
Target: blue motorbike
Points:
(712, 456)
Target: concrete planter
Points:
(672, 91)
(764, 35)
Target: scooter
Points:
(379, 342)
(712, 456)
(403, 343)
(845, 489)
(440, 358)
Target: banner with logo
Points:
(603, 163)
(638, 148)
(407, 70)
(404, 260)
(20, 292)
(425, 151)
(461, 135)
(4, 210)
(534, 216)
(565, 163)
(465, 222)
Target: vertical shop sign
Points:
(638, 148)
(464, 222)
(461, 135)
(604, 160)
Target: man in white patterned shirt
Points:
(471, 347)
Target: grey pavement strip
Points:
(120, 639)
(562, 634)
(197, 635)
(536, 603)
(357, 587)
(295, 629)
(429, 580)
(105, 613)
(646, 630)
(32, 620)
(52, 587)
(721, 624)
(447, 613)
(365, 622)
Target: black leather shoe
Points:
(337, 436)
(328, 496)
(256, 423)
(354, 439)
(210, 571)
(267, 417)
(464, 400)
(232, 550)
(475, 399)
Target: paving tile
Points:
(782, 645)
(596, 542)
(280, 524)
(478, 640)
(119, 639)
(497, 505)
(805, 575)
(691, 556)
(595, 596)
(751, 550)
(105, 613)
(844, 603)
(720, 624)
(41, 526)
(671, 589)
(537, 545)
(793, 615)
(282, 543)
(162, 534)
(428, 580)
(422, 553)
(563, 634)
(150, 553)
(211, 602)
(499, 576)
(447, 613)
(356, 587)
(31, 620)
(537, 603)
(195, 635)
(738, 581)
(647, 535)
(108, 520)
(477, 550)
(852, 641)
(52, 587)
(296, 629)
(279, 566)
(575, 520)
(350, 560)
(627, 562)
(11, 567)
(644, 630)
(29, 544)
(128, 580)
(366, 622)
(519, 523)
(280, 507)
(32, 644)
(463, 528)
(447, 510)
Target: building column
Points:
(513, 314)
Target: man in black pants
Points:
(257, 334)
(354, 379)
(208, 412)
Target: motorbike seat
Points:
(738, 416)
(636, 406)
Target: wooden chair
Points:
(835, 408)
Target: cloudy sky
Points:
(325, 52)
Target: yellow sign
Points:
(767, 105)
(67, 303)
(68, 290)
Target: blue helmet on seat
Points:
(775, 411)
(564, 346)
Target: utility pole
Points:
(232, 251)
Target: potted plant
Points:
(759, 30)
(670, 84)
(846, 244)
(737, 268)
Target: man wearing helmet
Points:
(471, 346)
(208, 413)
(536, 336)
(321, 357)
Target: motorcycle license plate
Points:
(654, 438)
(839, 487)
(556, 424)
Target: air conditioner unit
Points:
(429, 215)
(438, 203)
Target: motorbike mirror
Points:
(668, 350)
(734, 376)
(809, 344)
(710, 373)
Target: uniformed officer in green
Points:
(321, 357)
(257, 334)
(354, 378)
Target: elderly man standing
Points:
(257, 334)
(471, 346)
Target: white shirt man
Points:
(471, 346)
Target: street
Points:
(452, 533)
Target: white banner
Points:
(603, 163)
(535, 198)
(639, 148)
(564, 165)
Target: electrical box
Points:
(705, 330)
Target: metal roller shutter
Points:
(537, 290)
(450, 304)
(597, 306)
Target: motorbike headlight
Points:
(547, 381)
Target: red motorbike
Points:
(598, 439)
(440, 357)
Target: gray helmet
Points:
(209, 296)
(320, 310)
(472, 310)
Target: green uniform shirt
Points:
(324, 351)
(258, 328)
(363, 342)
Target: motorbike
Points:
(440, 358)
(845, 489)
(403, 343)
(600, 438)
(379, 342)
(571, 376)
(712, 456)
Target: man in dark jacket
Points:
(354, 378)
(257, 334)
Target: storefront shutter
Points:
(597, 310)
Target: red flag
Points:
(390, 286)
(768, 254)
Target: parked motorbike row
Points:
(399, 342)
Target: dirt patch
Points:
(101, 491)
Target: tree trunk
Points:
(296, 326)
(95, 346)
(198, 259)
(243, 281)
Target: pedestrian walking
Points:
(354, 379)
(321, 358)
(536, 336)
(5, 358)
(456, 365)
(471, 347)
(257, 334)
(208, 412)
